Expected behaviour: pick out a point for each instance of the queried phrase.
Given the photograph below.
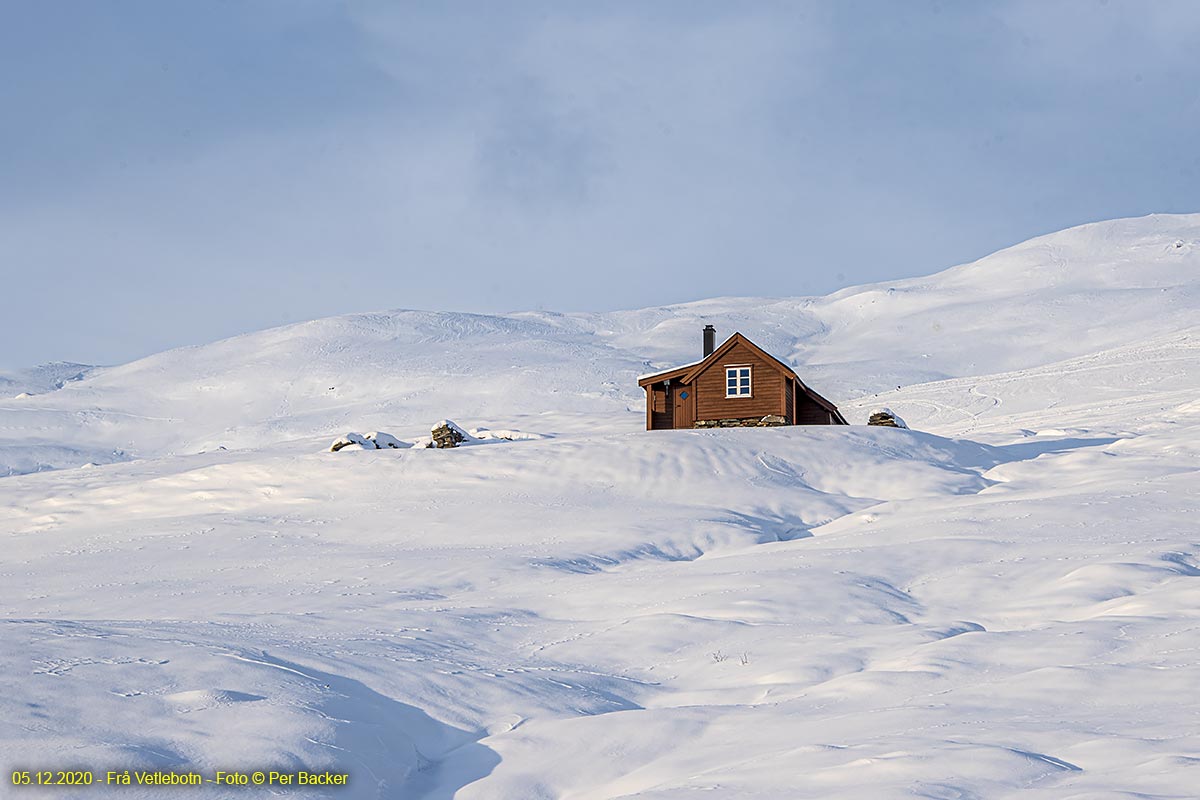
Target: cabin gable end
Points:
(737, 384)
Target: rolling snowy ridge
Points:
(1061, 296)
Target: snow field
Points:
(588, 618)
(1000, 603)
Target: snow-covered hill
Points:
(1001, 603)
(1156, 379)
(45, 378)
(1056, 297)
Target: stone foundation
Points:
(769, 421)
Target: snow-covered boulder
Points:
(887, 418)
(447, 434)
(385, 441)
(376, 440)
(353, 440)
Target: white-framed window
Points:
(737, 381)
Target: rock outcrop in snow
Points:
(446, 434)
(385, 441)
(886, 418)
(352, 440)
(376, 440)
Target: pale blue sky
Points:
(174, 172)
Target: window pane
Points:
(737, 381)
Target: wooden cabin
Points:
(735, 385)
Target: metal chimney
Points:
(710, 340)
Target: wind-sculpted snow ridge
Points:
(273, 609)
(820, 612)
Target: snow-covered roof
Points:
(672, 369)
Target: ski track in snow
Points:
(789, 613)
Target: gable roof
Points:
(730, 343)
(688, 372)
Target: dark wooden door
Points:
(684, 404)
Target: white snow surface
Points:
(1003, 602)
